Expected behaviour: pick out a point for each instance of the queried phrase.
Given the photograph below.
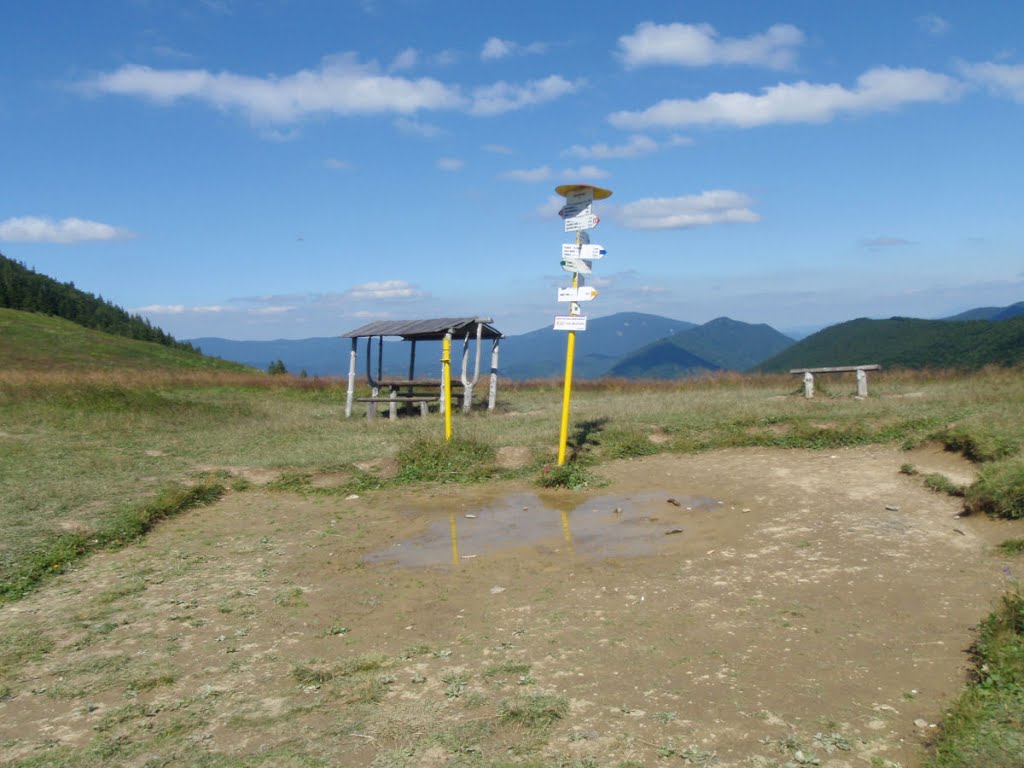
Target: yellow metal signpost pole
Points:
(577, 259)
(570, 352)
(446, 382)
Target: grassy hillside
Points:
(908, 343)
(30, 341)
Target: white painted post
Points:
(467, 385)
(808, 384)
(371, 407)
(393, 405)
(351, 380)
(492, 390)
(862, 383)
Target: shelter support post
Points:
(467, 385)
(350, 393)
(492, 390)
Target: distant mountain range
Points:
(637, 345)
(627, 344)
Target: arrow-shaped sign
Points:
(579, 266)
(570, 251)
(577, 294)
(592, 252)
(583, 221)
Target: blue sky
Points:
(285, 169)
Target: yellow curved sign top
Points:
(567, 189)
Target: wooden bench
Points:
(393, 400)
(861, 371)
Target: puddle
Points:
(603, 526)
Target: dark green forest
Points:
(903, 342)
(25, 289)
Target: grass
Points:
(984, 727)
(939, 483)
(1012, 547)
(94, 459)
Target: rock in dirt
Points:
(670, 531)
(673, 502)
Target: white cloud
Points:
(450, 164)
(528, 174)
(405, 60)
(876, 90)
(419, 128)
(31, 229)
(933, 25)
(340, 85)
(387, 289)
(550, 207)
(280, 310)
(498, 149)
(637, 144)
(1000, 79)
(505, 97)
(337, 165)
(496, 48)
(698, 45)
(711, 207)
(586, 172)
(160, 309)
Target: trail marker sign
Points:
(570, 323)
(577, 294)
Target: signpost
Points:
(577, 258)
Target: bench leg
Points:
(393, 407)
(862, 383)
(808, 384)
(423, 408)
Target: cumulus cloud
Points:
(698, 45)
(528, 174)
(1001, 79)
(405, 60)
(32, 229)
(634, 146)
(450, 164)
(506, 97)
(386, 289)
(496, 48)
(876, 90)
(160, 309)
(341, 85)
(712, 207)
(586, 172)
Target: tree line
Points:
(25, 289)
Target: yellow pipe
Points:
(446, 360)
(455, 539)
(570, 351)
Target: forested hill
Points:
(26, 290)
(904, 342)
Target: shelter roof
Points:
(432, 329)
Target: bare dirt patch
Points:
(513, 457)
(823, 606)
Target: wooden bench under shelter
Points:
(861, 370)
(420, 391)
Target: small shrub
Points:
(1012, 547)
(908, 469)
(455, 461)
(999, 490)
(571, 475)
(536, 710)
(941, 484)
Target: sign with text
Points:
(583, 221)
(592, 252)
(570, 322)
(579, 266)
(577, 294)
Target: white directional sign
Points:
(579, 266)
(574, 209)
(577, 294)
(570, 251)
(570, 322)
(592, 252)
(583, 221)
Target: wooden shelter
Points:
(410, 389)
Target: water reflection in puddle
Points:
(604, 526)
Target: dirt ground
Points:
(739, 608)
